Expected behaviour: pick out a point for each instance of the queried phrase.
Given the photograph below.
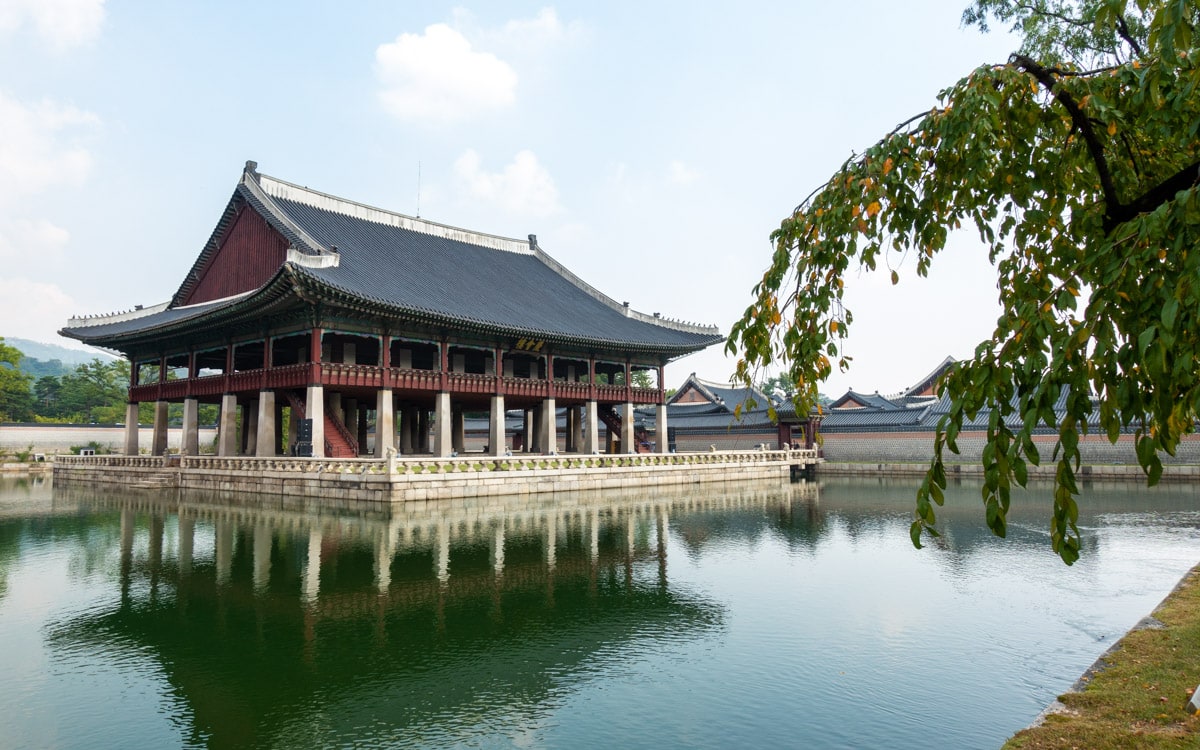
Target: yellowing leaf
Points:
(887, 165)
(1112, 128)
(895, 278)
(873, 208)
(856, 211)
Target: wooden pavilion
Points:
(351, 316)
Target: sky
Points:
(651, 147)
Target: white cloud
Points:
(60, 23)
(439, 76)
(544, 28)
(35, 153)
(679, 173)
(33, 310)
(33, 243)
(523, 186)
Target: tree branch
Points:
(1164, 191)
(1112, 203)
(1124, 33)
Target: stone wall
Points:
(904, 447)
(59, 438)
(418, 480)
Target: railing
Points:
(464, 382)
(371, 376)
(526, 388)
(360, 376)
(475, 463)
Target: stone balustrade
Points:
(421, 478)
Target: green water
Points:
(787, 616)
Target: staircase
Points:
(612, 421)
(339, 443)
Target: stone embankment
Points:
(414, 479)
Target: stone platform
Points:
(402, 479)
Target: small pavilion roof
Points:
(387, 263)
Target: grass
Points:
(1138, 698)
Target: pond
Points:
(764, 615)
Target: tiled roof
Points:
(414, 268)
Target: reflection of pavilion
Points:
(403, 618)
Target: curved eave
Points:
(267, 297)
(314, 285)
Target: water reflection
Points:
(669, 619)
(418, 618)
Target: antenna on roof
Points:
(418, 189)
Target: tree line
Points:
(92, 393)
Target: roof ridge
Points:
(623, 308)
(277, 188)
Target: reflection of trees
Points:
(390, 647)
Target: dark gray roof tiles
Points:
(428, 271)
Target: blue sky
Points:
(652, 147)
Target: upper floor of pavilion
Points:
(285, 259)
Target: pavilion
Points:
(349, 315)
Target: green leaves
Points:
(1076, 165)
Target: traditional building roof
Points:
(852, 399)
(279, 244)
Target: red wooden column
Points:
(266, 363)
(550, 374)
(385, 360)
(591, 392)
(628, 382)
(499, 372)
(314, 355)
(662, 386)
(444, 381)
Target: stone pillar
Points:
(314, 409)
(250, 429)
(458, 425)
(577, 435)
(385, 426)
(264, 443)
(496, 437)
(131, 429)
(627, 444)
(442, 445)
(227, 426)
(571, 445)
(191, 427)
(591, 438)
(549, 427)
(362, 425)
(660, 430)
(159, 444)
(408, 418)
(527, 432)
(421, 436)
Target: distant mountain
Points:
(52, 359)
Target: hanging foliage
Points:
(1077, 162)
